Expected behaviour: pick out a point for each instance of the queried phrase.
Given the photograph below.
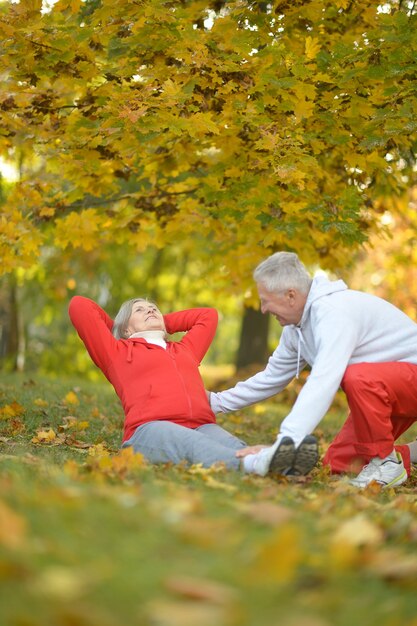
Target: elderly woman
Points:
(167, 415)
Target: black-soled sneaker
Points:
(275, 459)
(305, 458)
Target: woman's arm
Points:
(199, 325)
(94, 328)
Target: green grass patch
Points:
(90, 536)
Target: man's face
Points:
(286, 307)
(145, 316)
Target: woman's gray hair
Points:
(123, 316)
(283, 271)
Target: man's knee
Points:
(356, 376)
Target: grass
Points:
(93, 537)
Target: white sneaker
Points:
(387, 472)
(276, 459)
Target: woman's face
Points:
(144, 316)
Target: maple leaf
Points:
(45, 436)
(11, 410)
(312, 47)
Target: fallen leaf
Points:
(11, 410)
(217, 484)
(394, 565)
(12, 527)
(187, 613)
(60, 582)
(266, 512)
(71, 398)
(201, 589)
(75, 443)
(278, 558)
(40, 402)
(44, 436)
(206, 532)
(358, 531)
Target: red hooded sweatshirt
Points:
(152, 383)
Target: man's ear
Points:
(291, 294)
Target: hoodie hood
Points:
(320, 287)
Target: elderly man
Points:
(350, 339)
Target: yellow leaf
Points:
(71, 398)
(234, 172)
(312, 47)
(217, 484)
(98, 451)
(352, 537)
(11, 410)
(80, 230)
(359, 531)
(278, 558)
(44, 436)
(267, 512)
(12, 527)
(61, 583)
(186, 612)
(40, 402)
(47, 212)
(342, 4)
(303, 109)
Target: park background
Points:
(162, 149)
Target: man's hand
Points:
(249, 450)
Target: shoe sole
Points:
(306, 457)
(283, 457)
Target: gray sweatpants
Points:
(164, 442)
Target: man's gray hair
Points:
(122, 318)
(283, 271)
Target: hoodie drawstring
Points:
(300, 340)
(129, 351)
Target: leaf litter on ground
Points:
(96, 535)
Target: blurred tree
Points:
(257, 125)
(253, 342)
(388, 265)
(234, 128)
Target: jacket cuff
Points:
(216, 407)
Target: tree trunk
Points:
(9, 325)
(253, 344)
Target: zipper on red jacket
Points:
(183, 385)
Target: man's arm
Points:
(280, 370)
(336, 340)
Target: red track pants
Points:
(382, 399)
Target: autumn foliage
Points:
(246, 126)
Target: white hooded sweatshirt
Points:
(339, 327)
